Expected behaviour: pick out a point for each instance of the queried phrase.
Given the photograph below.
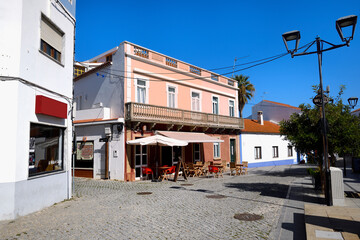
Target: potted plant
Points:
(316, 177)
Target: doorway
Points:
(232, 151)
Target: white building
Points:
(261, 144)
(356, 112)
(36, 68)
(274, 111)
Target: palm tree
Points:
(246, 90)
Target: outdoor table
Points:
(241, 166)
(162, 170)
(198, 169)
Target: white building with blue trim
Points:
(262, 145)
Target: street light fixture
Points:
(290, 36)
(352, 102)
(348, 21)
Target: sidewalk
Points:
(333, 222)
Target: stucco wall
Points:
(266, 142)
(273, 112)
(21, 59)
(116, 160)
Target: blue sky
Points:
(210, 34)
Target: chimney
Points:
(260, 117)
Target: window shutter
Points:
(51, 35)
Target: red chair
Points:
(171, 170)
(213, 169)
(147, 171)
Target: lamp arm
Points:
(333, 46)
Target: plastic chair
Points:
(170, 170)
(234, 168)
(147, 171)
(215, 170)
(245, 167)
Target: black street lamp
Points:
(352, 102)
(348, 21)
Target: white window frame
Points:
(292, 152)
(217, 150)
(218, 104)
(233, 108)
(136, 78)
(175, 95)
(258, 154)
(275, 151)
(200, 100)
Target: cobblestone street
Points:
(200, 208)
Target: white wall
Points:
(273, 112)
(108, 90)
(116, 164)
(266, 142)
(20, 58)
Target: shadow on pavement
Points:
(337, 224)
(288, 172)
(276, 190)
(297, 227)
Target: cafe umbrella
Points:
(157, 140)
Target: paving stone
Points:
(113, 210)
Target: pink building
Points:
(131, 92)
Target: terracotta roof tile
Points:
(356, 110)
(253, 126)
(282, 104)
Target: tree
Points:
(304, 129)
(246, 90)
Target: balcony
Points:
(144, 113)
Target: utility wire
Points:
(269, 59)
(193, 78)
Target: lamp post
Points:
(348, 21)
(352, 102)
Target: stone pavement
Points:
(200, 208)
(334, 222)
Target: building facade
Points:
(262, 144)
(137, 92)
(274, 111)
(37, 51)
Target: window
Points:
(46, 149)
(214, 77)
(216, 150)
(109, 58)
(290, 151)
(195, 101)
(196, 149)
(231, 108)
(141, 91)
(215, 105)
(140, 160)
(84, 154)
(275, 151)
(171, 97)
(51, 42)
(257, 152)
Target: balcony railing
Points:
(157, 114)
